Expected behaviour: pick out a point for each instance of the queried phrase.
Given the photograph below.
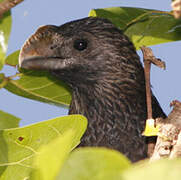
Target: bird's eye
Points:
(80, 44)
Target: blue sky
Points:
(29, 15)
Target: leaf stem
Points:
(5, 79)
(4, 82)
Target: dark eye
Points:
(80, 44)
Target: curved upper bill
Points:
(36, 52)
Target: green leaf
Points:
(41, 86)
(5, 29)
(37, 85)
(94, 163)
(51, 157)
(162, 170)
(12, 59)
(8, 120)
(20, 145)
(143, 26)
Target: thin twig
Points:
(148, 59)
(5, 80)
(147, 67)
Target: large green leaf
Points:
(37, 85)
(160, 170)
(20, 145)
(5, 29)
(143, 26)
(41, 86)
(51, 157)
(94, 163)
(8, 120)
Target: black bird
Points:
(102, 68)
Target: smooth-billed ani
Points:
(101, 66)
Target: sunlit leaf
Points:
(8, 120)
(51, 157)
(94, 163)
(41, 86)
(143, 26)
(20, 145)
(162, 170)
(12, 59)
(5, 29)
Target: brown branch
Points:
(169, 136)
(176, 6)
(6, 5)
(149, 58)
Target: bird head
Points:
(79, 51)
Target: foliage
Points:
(8, 120)
(163, 169)
(94, 163)
(19, 146)
(142, 26)
(44, 150)
(5, 29)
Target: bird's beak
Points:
(42, 63)
(36, 54)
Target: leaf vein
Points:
(37, 88)
(35, 94)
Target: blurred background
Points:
(29, 15)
